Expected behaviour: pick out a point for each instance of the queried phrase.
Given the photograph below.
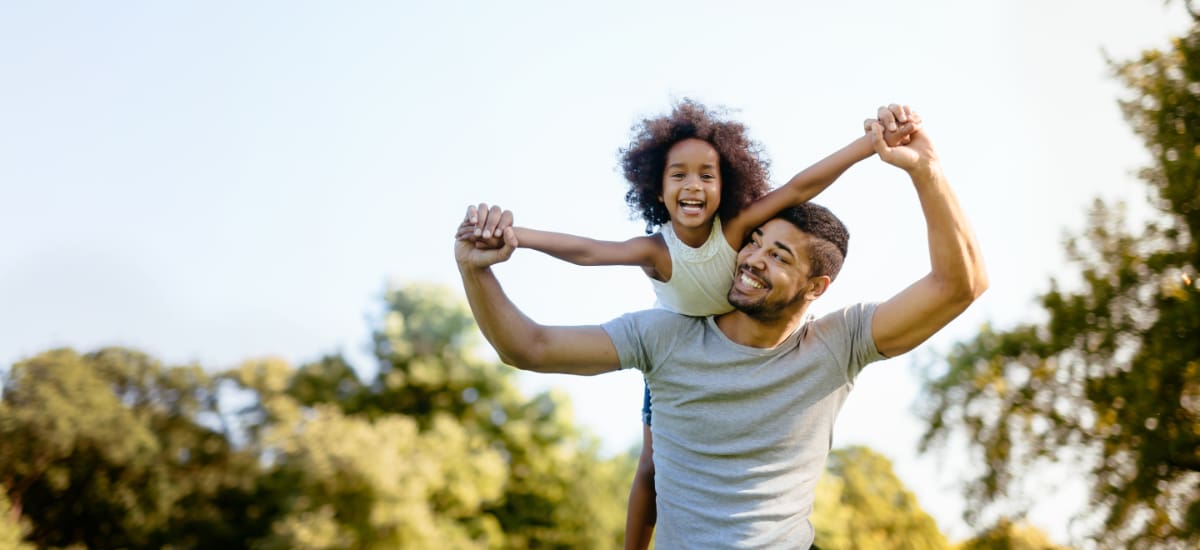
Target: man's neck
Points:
(760, 333)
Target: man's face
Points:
(772, 277)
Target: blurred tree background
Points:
(113, 449)
(860, 503)
(1111, 370)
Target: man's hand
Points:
(913, 154)
(484, 238)
(899, 124)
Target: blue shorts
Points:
(646, 406)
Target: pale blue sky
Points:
(214, 181)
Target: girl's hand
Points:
(899, 123)
(917, 155)
(489, 223)
(473, 249)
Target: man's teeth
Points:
(746, 280)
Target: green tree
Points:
(107, 450)
(1114, 371)
(861, 504)
(13, 527)
(353, 481)
(560, 493)
(479, 464)
(1007, 535)
(112, 449)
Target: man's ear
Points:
(816, 287)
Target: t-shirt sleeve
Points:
(847, 335)
(642, 336)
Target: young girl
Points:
(703, 183)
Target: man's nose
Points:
(756, 258)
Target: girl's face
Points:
(691, 187)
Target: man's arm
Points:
(521, 342)
(956, 277)
(811, 181)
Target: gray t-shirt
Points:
(741, 434)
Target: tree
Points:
(1007, 535)
(112, 449)
(13, 528)
(560, 493)
(107, 450)
(1114, 371)
(861, 504)
(437, 448)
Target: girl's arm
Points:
(650, 252)
(814, 179)
(801, 188)
(644, 252)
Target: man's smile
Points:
(748, 278)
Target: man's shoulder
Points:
(644, 338)
(843, 324)
(654, 324)
(860, 310)
(661, 315)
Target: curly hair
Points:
(743, 163)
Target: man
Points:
(744, 403)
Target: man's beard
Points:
(760, 309)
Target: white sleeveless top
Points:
(700, 277)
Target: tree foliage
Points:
(1009, 535)
(436, 449)
(861, 504)
(1114, 371)
(106, 450)
(13, 527)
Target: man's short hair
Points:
(827, 250)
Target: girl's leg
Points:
(643, 512)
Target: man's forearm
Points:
(954, 255)
(507, 329)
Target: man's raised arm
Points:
(521, 342)
(956, 277)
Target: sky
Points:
(217, 181)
